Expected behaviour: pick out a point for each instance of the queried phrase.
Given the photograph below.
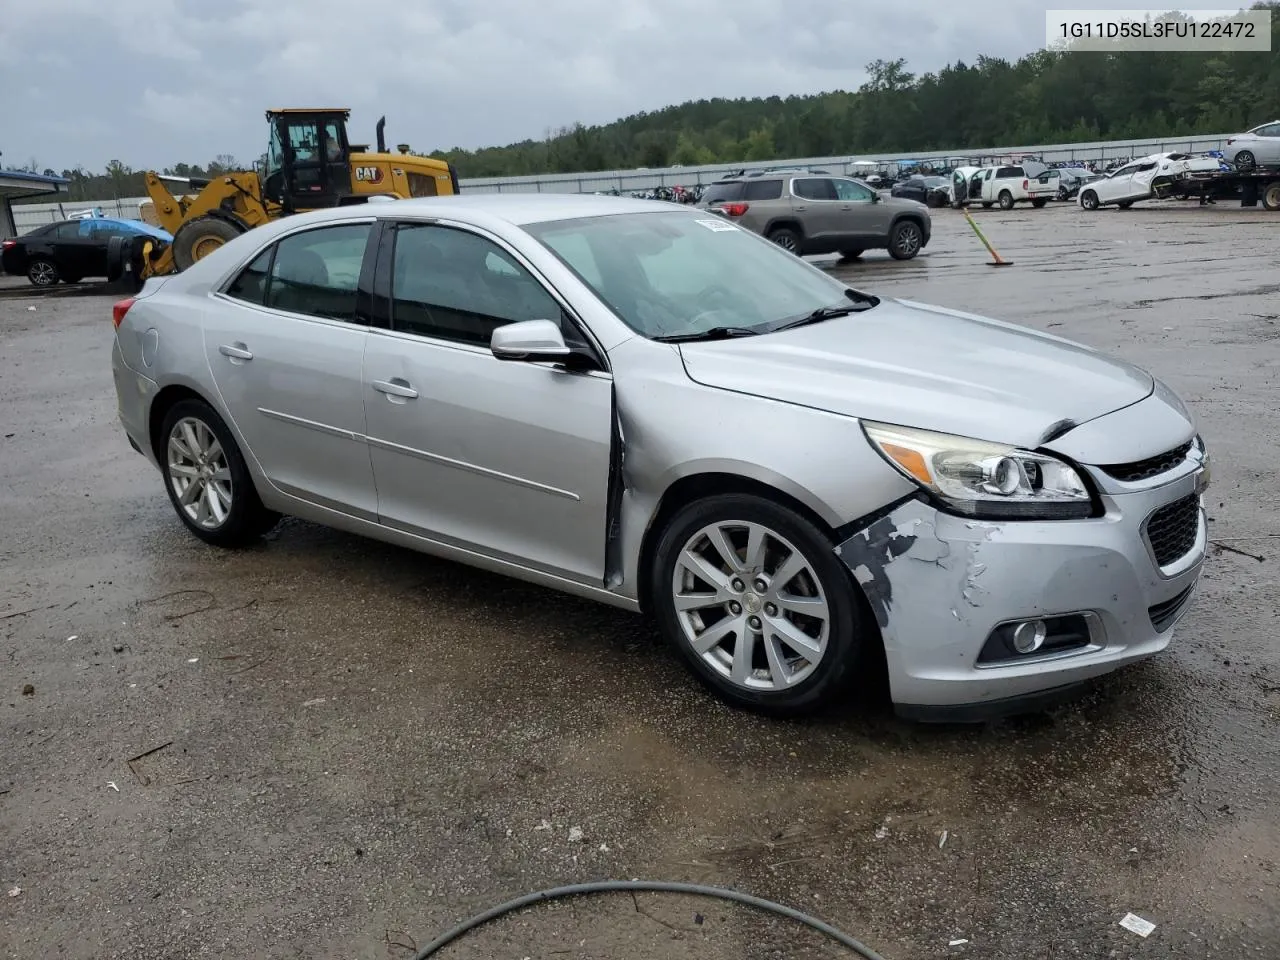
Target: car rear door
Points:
(814, 201)
(1267, 146)
(73, 248)
(1118, 186)
(509, 459)
(284, 342)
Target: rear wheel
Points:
(1245, 160)
(786, 238)
(208, 482)
(1006, 200)
(198, 238)
(1089, 200)
(1271, 195)
(42, 273)
(905, 240)
(755, 600)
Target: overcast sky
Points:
(155, 82)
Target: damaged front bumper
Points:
(941, 585)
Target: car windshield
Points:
(675, 274)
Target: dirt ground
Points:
(355, 747)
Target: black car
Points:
(69, 250)
(928, 190)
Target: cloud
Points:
(153, 82)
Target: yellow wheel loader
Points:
(310, 165)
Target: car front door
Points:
(284, 341)
(505, 458)
(1118, 186)
(862, 217)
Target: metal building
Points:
(15, 184)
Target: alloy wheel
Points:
(43, 273)
(751, 605)
(908, 239)
(786, 241)
(199, 473)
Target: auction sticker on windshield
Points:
(719, 226)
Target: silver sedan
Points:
(649, 406)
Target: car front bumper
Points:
(939, 585)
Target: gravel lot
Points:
(357, 746)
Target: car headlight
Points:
(983, 479)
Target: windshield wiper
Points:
(714, 333)
(858, 303)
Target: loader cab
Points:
(308, 159)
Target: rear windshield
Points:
(720, 192)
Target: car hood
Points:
(921, 366)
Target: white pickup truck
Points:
(1009, 185)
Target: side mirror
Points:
(875, 196)
(530, 341)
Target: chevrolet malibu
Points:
(630, 401)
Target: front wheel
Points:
(207, 478)
(754, 598)
(905, 240)
(1089, 200)
(1245, 160)
(787, 239)
(1006, 200)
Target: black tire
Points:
(853, 253)
(1089, 200)
(1038, 203)
(850, 634)
(247, 519)
(786, 238)
(43, 272)
(1271, 195)
(1061, 194)
(199, 237)
(1006, 200)
(986, 204)
(906, 239)
(1245, 160)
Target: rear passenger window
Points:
(317, 272)
(455, 285)
(763, 190)
(813, 189)
(251, 285)
(1005, 172)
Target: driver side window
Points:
(455, 285)
(848, 190)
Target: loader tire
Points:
(198, 238)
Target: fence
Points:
(30, 216)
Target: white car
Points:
(1145, 178)
(1260, 147)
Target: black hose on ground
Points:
(646, 886)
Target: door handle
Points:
(235, 351)
(847, 206)
(800, 206)
(395, 387)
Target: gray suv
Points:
(807, 213)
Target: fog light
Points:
(1028, 636)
